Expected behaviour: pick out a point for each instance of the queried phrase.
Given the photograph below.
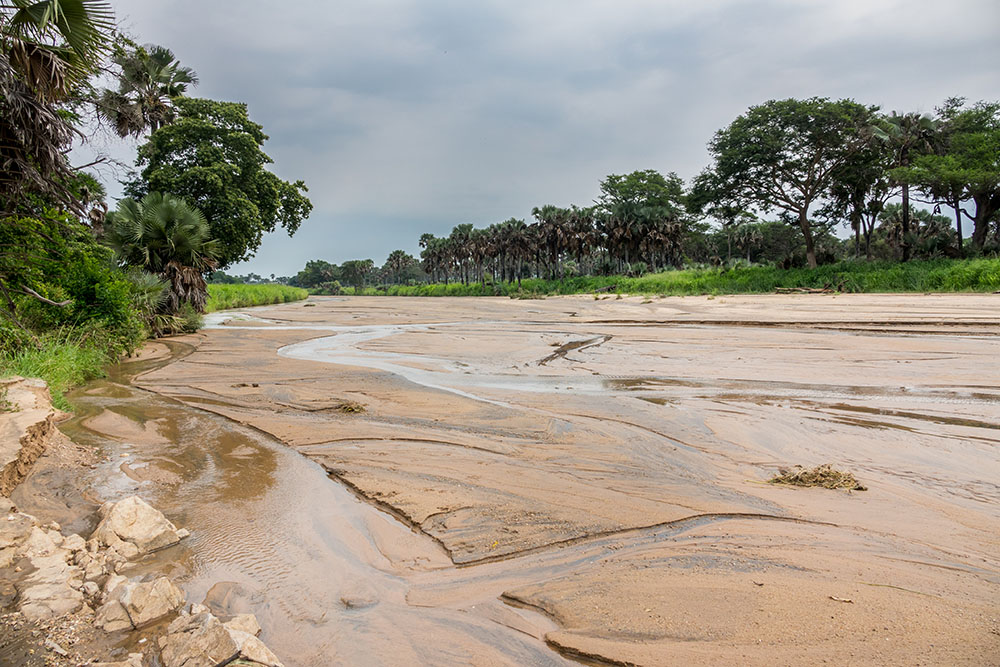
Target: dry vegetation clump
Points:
(823, 475)
(349, 407)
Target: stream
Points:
(327, 574)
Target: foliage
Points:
(211, 156)
(64, 359)
(221, 297)
(149, 78)
(162, 234)
(943, 275)
(783, 154)
(47, 50)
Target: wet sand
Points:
(575, 479)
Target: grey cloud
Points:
(415, 115)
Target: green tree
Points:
(357, 271)
(782, 155)
(907, 135)
(165, 236)
(316, 272)
(48, 50)
(211, 156)
(149, 78)
(966, 167)
(397, 263)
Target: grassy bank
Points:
(221, 297)
(971, 275)
(63, 360)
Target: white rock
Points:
(254, 649)
(133, 520)
(244, 623)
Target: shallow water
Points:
(326, 573)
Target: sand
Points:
(604, 463)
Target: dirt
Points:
(609, 506)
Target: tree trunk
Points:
(958, 224)
(905, 241)
(986, 206)
(807, 233)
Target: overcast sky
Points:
(409, 116)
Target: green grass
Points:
(970, 275)
(63, 361)
(221, 297)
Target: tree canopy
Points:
(782, 155)
(211, 156)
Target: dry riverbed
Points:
(491, 481)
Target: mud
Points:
(609, 505)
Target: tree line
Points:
(810, 165)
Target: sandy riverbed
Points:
(591, 474)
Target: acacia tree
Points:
(782, 155)
(211, 156)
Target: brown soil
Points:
(620, 488)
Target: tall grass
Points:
(221, 297)
(971, 275)
(63, 360)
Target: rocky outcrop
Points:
(27, 424)
(57, 576)
(132, 527)
(199, 638)
(130, 605)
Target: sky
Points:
(413, 116)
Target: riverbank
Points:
(944, 275)
(604, 462)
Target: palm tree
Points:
(164, 235)
(47, 49)
(908, 135)
(150, 78)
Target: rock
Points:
(53, 525)
(112, 617)
(133, 520)
(47, 591)
(75, 544)
(126, 550)
(254, 650)
(93, 571)
(228, 599)
(134, 660)
(14, 529)
(90, 590)
(196, 641)
(198, 608)
(55, 648)
(183, 532)
(244, 623)
(358, 596)
(8, 593)
(38, 544)
(26, 431)
(151, 601)
(112, 583)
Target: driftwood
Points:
(609, 288)
(825, 289)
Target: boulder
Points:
(112, 617)
(253, 649)
(47, 591)
(132, 605)
(244, 623)
(151, 601)
(199, 640)
(133, 520)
